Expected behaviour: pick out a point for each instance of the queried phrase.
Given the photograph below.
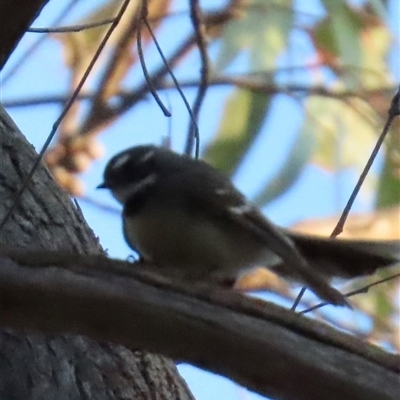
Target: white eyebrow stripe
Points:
(120, 161)
(242, 209)
(222, 192)
(147, 156)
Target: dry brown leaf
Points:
(261, 279)
(382, 224)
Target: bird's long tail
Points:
(341, 258)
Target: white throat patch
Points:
(122, 194)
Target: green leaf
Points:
(374, 71)
(262, 30)
(243, 117)
(344, 28)
(384, 305)
(298, 157)
(345, 132)
(354, 42)
(389, 181)
(379, 8)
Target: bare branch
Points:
(238, 81)
(216, 329)
(73, 28)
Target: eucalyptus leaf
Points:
(379, 8)
(298, 157)
(345, 132)
(388, 193)
(244, 115)
(345, 26)
(262, 30)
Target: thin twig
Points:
(102, 115)
(198, 26)
(393, 112)
(364, 289)
(139, 93)
(73, 28)
(101, 206)
(142, 17)
(172, 75)
(298, 298)
(63, 113)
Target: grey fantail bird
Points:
(187, 217)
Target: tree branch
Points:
(240, 82)
(257, 344)
(16, 16)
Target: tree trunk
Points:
(35, 366)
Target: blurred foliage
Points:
(344, 89)
(262, 31)
(243, 119)
(291, 169)
(388, 192)
(339, 144)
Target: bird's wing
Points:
(222, 200)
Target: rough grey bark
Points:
(262, 346)
(35, 366)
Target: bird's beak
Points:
(102, 186)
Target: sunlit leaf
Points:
(388, 193)
(340, 34)
(384, 306)
(375, 46)
(345, 131)
(382, 224)
(243, 117)
(262, 30)
(353, 42)
(379, 8)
